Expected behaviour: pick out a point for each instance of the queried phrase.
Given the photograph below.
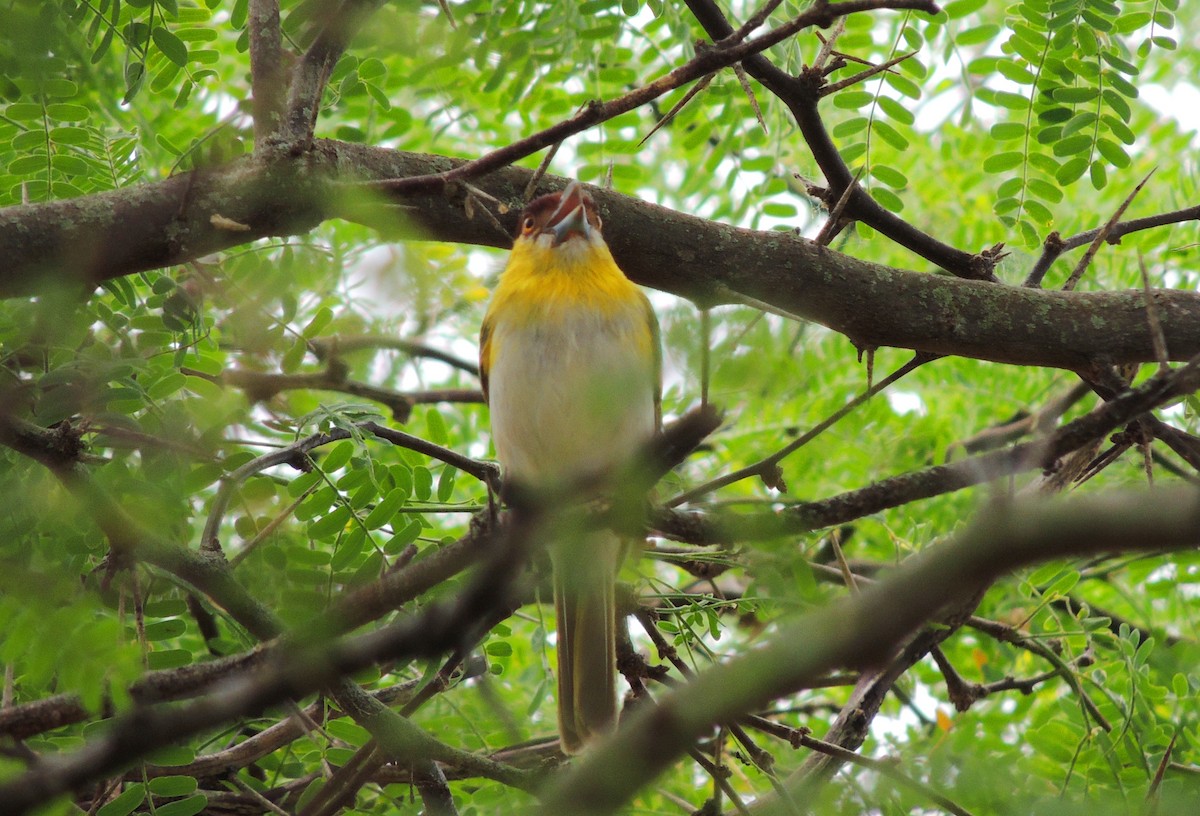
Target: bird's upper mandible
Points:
(556, 218)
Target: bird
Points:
(571, 365)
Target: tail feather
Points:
(585, 575)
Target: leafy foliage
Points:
(177, 379)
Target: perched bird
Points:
(571, 366)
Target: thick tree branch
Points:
(340, 20)
(85, 241)
(268, 85)
(863, 630)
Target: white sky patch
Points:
(906, 402)
(1180, 102)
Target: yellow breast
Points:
(569, 353)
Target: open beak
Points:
(570, 218)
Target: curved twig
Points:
(296, 455)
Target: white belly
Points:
(571, 404)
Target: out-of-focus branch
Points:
(327, 348)
(863, 630)
(267, 69)
(1122, 408)
(297, 671)
(341, 19)
(262, 386)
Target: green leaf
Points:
(1071, 170)
(889, 176)
(165, 629)
(1006, 131)
(1073, 145)
(320, 320)
(406, 536)
(172, 785)
(1001, 162)
(126, 802)
(349, 549)
(890, 135)
(183, 807)
(498, 648)
(896, 110)
(436, 426)
(961, 8)
(445, 488)
(135, 75)
(1045, 190)
(1112, 152)
(171, 46)
(330, 524)
(848, 100)
(423, 483)
(850, 127)
(888, 199)
(383, 511)
(977, 35)
(1074, 96)
(338, 456)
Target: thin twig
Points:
(720, 776)
(1055, 245)
(692, 92)
(335, 345)
(1157, 339)
(827, 42)
(862, 76)
(705, 62)
(1101, 235)
(770, 463)
(539, 172)
(831, 226)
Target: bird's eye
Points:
(527, 224)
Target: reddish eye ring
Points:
(527, 224)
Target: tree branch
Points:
(293, 673)
(922, 484)
(329, 348)
(267, 71)
(1055, 245)
(84, 241)
(722, 55)
(801, 94)
(863, 630)
(341, 20)
(261, 386)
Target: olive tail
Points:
(585, 576)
